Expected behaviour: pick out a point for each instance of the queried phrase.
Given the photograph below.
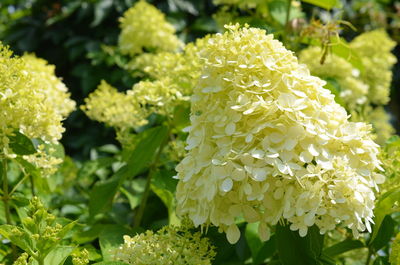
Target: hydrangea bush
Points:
(259, 134)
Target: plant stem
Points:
(6, 196)
(288, 14)
(146, 193)
(369, 256)
(17, 185)
(32, 185)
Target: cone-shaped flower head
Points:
(126, 111)
(353, 91)
(374, 49)
(183, 68)
(268, 142)
(170, 245)
(33, 100)
(144, 27)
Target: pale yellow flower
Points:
(374, 50)
(267, 142)
(44, 78)
(130, 110)
(33, 101)
(170, 245)
(145, 27)
(353, 91)
(182, 68)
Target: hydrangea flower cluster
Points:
(113, 108)
(182, 67)
(174, 74)
(268, 142)
(32, 99)
(359, 89)
(353, 90)
(170, 245)
(144, 27)
(125, 111)
(380, 121)
(374, 49)
(55, 91)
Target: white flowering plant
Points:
(216, 132)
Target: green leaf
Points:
(384, 206)
(111, 238)
(134, 191)
(326, 4)
(20, 239)
(181, 117)
(58, 255)
(103, 193)
(343, 247)
(90, 167)
(163, 185)
(341, 48)
(294, 249)
(86, 236)
(144, 152)
(278, 10)
(21, 144)
(66, 228)
(385, 233)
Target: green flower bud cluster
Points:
(39, 234)
(23, 259)
(80, 257)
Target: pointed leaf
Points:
(21, 144)
(58, 255)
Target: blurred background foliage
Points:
(78, 37)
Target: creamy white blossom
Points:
(268, 142)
